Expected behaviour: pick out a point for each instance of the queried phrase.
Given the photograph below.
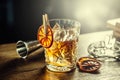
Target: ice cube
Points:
(62, 34)
(56, 27)
(71, 32)
(70, 35)
(65, 35)
(56, 35)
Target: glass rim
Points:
(59, 19)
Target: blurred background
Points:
(20, 19)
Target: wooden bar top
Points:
(13, 67)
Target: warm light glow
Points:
(92, 14)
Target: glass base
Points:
(60, 69)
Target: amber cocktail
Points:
(61, 55)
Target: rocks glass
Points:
(61, 56)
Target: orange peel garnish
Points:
(45, 34)
(88, 64)
(45, 40)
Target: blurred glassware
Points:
(109, 48)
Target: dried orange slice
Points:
(45, 40)
(88, 64)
